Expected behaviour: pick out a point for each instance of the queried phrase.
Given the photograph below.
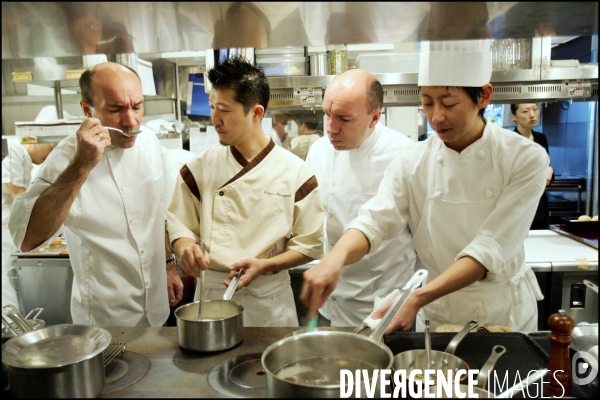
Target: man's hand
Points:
(191, 259)
(92, 139)
(319, 282)
(253, 268)
(174, 285)
(403, 320)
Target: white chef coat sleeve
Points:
(307, 228)
(503, 232)
(21, 209)
(183, 217)
(386, 214)
(13, 166)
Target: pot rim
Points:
(320, 333)
(11, 360)
(212, 319)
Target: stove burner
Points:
(240, 376)
(126, 371)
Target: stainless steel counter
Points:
(175, 372)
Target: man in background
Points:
(308, 135)
(349, 164)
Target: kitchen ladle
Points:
(233, 285)
(203, 248)
(127, 134)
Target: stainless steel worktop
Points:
(175, 372)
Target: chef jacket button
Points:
(147, 284)
(330, 215)
(335, 153)
(370, 156)
(110, 156)
(221, 193)
(122, 189)
(489, 193)
(142, 252)
(440, 160)
(331, 244)
(481, 155)
(131, 221)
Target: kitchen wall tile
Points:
(554, 114)
(557, 140)
(576, 149)
(578, 112)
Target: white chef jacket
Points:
(300, 145)
(347, 180)
(480, 203)
(243, 209)
(16, 169)
(115, 233)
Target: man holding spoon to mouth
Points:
(106, 188)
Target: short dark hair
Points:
(514, 108)
(474, 94)
(374, 95)
(249, 83)
(85, 83)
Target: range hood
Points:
(64, 29)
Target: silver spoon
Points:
(127, 134)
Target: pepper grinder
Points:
(559, 364)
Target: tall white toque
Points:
(455, 63)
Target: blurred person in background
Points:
(526, 115)
(17, 169)
(279, 133)
(308, 134)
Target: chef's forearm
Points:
(285, 260)
(181, 244)
(461, 274)
(52, 207)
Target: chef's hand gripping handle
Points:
(413, 283)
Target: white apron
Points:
(508, 302)
(268, 301)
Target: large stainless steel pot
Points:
(220, 328)
(309, 364)
(57, 361)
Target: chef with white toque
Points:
(468, 193)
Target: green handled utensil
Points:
(312, 323)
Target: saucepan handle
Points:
(413, 283)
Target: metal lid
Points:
(55, 346)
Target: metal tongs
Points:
(203, 248)
(127, 134)
(233, 285)
(427, 344)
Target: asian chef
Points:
(468, 193)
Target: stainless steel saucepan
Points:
(57, 361)
(220, 328)
(309, 365)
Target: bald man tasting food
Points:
(106, 188)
